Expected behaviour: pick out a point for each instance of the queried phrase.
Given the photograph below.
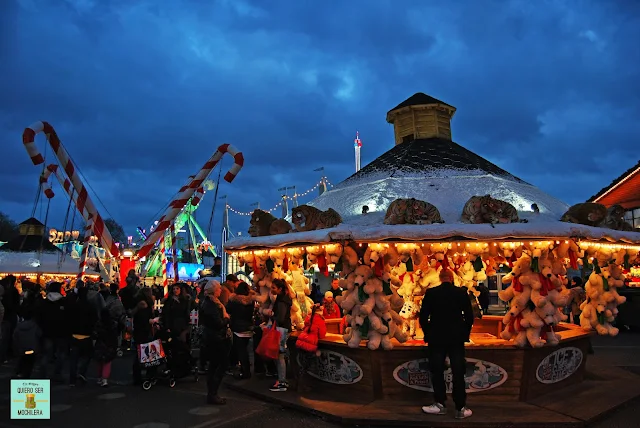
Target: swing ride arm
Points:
(188, 190)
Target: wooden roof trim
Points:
(616, 185)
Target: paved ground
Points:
(125, 406)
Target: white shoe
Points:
(435, 409)
(99, 381)
(104, 383)
(464, 413)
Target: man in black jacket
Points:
(446, 318)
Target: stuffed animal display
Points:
(485, 209)
(412, 211)
(263, 223)
(306, 217)
(601, 305)
(383, 284)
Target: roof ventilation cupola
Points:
(421, 117)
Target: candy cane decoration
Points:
(83, 201)
(66, 185)
(163, 261)
(88, 231)
(188, 190)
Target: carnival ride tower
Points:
(357, 145)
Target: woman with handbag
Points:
(315, 328)
(280, 315)
(216, 339)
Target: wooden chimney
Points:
(421, 117)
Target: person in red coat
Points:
(314, 329)
(307, 344)
(331, 308)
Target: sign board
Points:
(559, 365)
(58, 236)
(31, 399)
(480, 375)
(331, 367)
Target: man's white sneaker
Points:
(435, 409)
(465, 412)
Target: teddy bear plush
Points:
(405, 281)
(616, 280)
(517, 295)
(428, 276)
(296, 255)
(316, 256)
(349, 297)
(533, 326)
(597, 314)
(349, 260)
(568, 249)
(279, 258)
(513, 330)
(300, 285)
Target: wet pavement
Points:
(126, 406)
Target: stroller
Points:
(166, 359)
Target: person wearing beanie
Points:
(216, 338)
(446, 317)
(331, 308)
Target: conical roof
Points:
(438, 171)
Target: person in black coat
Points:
(11, 303)
(240, 309)
(280, 313)
(82, 318)
(175, 313)
(142, 315)
(446, 317)
(216, 339)
(51, 317)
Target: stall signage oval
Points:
(480, 375)
(331, 367)
(559, 365)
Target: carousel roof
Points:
(437, 170)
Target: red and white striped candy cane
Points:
(163, 261)
(66, 185)
(83, 201)
(197, 196)
(188, 190)
(88, 231)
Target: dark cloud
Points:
(141, 93)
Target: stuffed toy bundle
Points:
(366, 301)
(601, 306)
(536, 298)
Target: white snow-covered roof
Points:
(18, 262)
(447, 189)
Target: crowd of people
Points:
(48, 330)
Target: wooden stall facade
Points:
(496, 369)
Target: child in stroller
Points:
(178, 362)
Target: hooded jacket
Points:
(51, 316)
(240, 309)
(26, 337)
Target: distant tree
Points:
(8, 228)
(116, 231)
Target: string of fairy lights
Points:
(279, 204)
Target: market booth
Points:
(495, 367)
(387, 231)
